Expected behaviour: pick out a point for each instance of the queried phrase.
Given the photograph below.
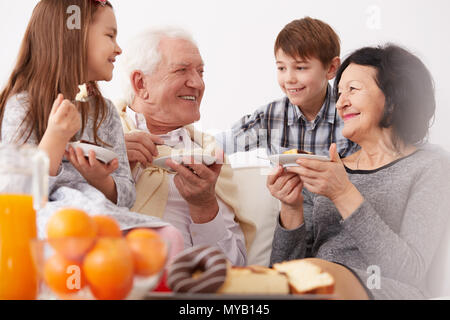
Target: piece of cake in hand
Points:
(82, 95)
(297, 151)
(306, 278)
(254, 280)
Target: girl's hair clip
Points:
(102, 2)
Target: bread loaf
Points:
(305, 277)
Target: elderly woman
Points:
(384, 208)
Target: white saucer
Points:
(102, 154)
(198, 159)
(288, 160)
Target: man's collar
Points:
(138, 119)
(140, 123)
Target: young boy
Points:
(307, 57)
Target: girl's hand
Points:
(63, 123)
(64, 120)
(286, 187)
(94, 171)
(325, 178)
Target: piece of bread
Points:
(306, 278)
(254, 280)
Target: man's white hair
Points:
(142, 53)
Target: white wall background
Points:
(236, 40)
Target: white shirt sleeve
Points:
(224, 232)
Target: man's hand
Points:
(141, 147)
(197, 185)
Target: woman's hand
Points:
(325, 178)
(287, 187)
(95, 172)
(330, 180)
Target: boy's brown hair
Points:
(309, 38)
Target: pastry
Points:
(297, 151)
(82, 95)
(200, 269)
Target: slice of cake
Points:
(82, 95)
(297, 151)
(254, 280)
(306, 278)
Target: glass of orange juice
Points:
(23, 190)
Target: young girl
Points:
(36, 108)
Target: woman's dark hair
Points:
(407, 86)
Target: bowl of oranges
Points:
(88, 257)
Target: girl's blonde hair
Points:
(52, 60)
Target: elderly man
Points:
(164, 89)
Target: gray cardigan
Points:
(396, 230)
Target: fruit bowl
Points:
(105, 268)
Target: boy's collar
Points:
(327, 111)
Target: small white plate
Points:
(288, 160)
(102, 154)
(198, 159)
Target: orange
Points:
(149, 251)
(72, 248)
(71, 223)
(71, 232)
(143, 233)
(108, 268)
(63, 276)
(107, 227)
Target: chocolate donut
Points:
(211, 263)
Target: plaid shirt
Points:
(281, 126)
